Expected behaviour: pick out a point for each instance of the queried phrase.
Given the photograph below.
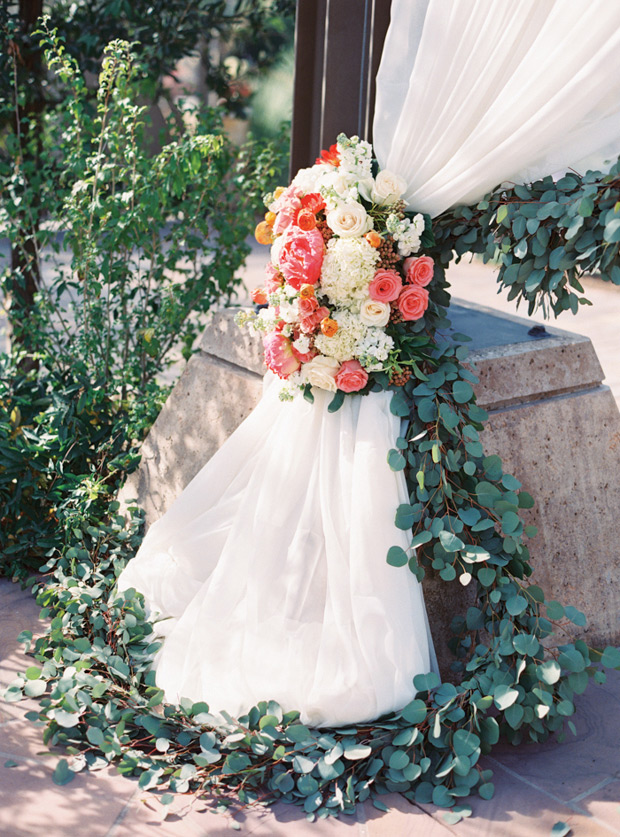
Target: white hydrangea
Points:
(351, 330)
(374, 349)
(355, 156)
(406, 233)
(348, 268)
(307, 179)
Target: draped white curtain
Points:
(472, 93)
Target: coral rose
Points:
(279, 356)
(301, 257)
(321, 372)
(307, 306)
(352, 376)
(413, 302)
(374, 313)
(385, 286)
(419, 271)
(310, 323)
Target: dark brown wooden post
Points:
(338, 47)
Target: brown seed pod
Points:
(399, 379)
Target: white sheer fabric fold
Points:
(472, 93)
(269, 570)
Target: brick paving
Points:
(577, 782)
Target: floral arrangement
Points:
(345, 279)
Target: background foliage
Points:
(133, 250)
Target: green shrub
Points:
(134, 250)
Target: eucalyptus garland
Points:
(98, 698)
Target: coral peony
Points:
(419, 271)
(352, 376)
(385, 286)
(301, 257)
(413, 302)
(279, 355)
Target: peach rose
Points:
(419, 271)
(413, 302)
(352, 376)
(279, 355)
(385, 286)
(301, 257)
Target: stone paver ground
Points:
(577, 782)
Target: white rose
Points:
(321, 372)
(388, 188)
(375, 313)
(349, 220)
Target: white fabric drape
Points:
(269, 570)
(473, 93)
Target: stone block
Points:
(553, 424)
(210, 400)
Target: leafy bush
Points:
(136, 247)
(136, 250)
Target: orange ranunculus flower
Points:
(263, 233)
(306, 220)
(373, 238)
(270, 217)
(259, 296)
(306, 291)
(329, 327)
